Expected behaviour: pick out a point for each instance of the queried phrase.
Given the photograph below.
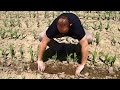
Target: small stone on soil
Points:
(86, 74)
(111, 70)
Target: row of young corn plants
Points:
(10, 53)
(106, 58)
(98, 39)
(11, 34)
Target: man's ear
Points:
(71, 24)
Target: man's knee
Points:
(90, 39)
(40, 38)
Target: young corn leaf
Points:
(75, 57)
(94, 56)
(69, 57)
(37, 52)
(12, 51)
(97, 38)
(113, 60)
(100, 26)
(106, 59)
(31, 53)
(21, 52)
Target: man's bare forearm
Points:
(42, 48)
(84, 51)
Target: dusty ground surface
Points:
(58, 66)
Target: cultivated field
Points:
(19, 32)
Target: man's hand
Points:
(79, 69)
(84, 51)
(42, 47)
(41, 65)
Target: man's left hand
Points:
(79, 69)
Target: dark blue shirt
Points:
(76, 30)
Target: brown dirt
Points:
(70, 70)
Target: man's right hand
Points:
(41, 65)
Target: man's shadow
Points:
(62, 50)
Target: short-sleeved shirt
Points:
(76, 29)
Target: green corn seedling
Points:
(31, 53)
(21, 52)
(75, 57)
(97, 38)
(36, 52)
(12, 51)
(109, 60)
(113, 60)
(108, 17)
(106, 58)
(94, 55)
(100, 26)
(69, 57)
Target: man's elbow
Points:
(85, 47)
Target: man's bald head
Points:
(63, 24)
